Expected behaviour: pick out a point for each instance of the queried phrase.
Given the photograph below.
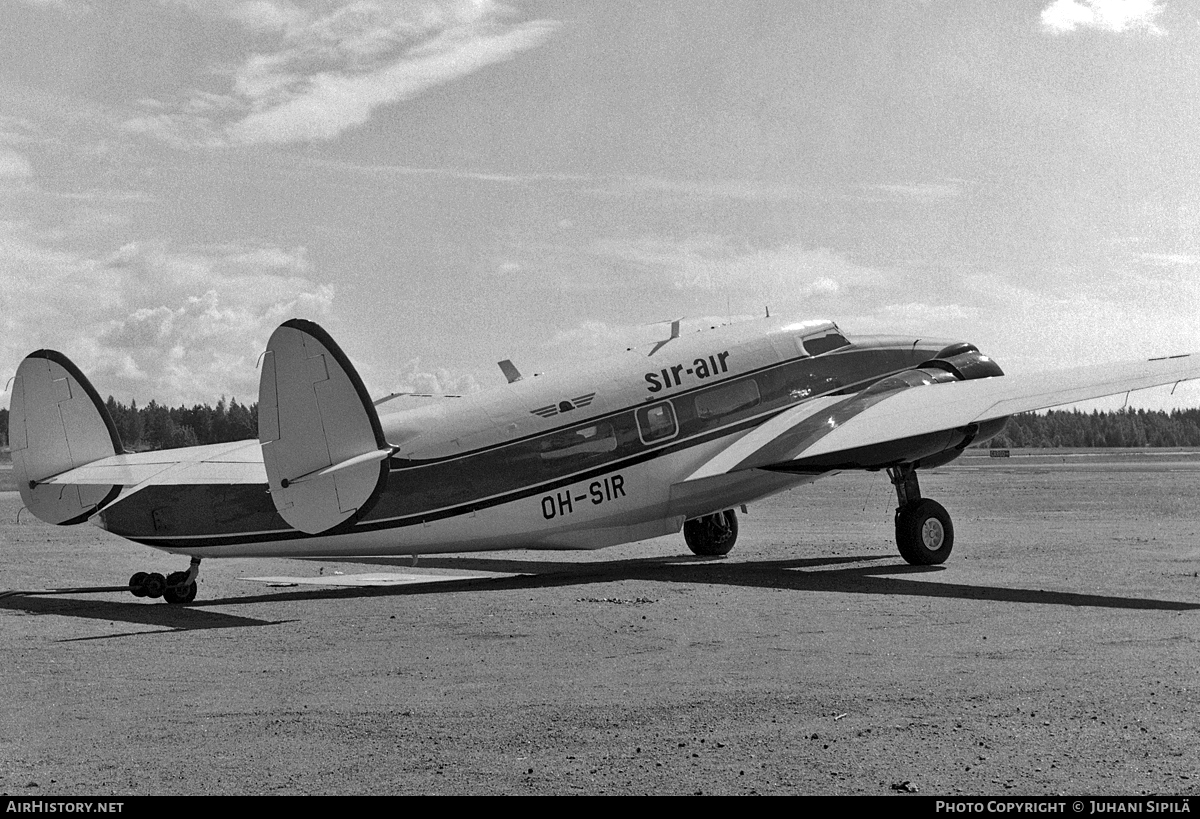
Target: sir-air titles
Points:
(701, 368)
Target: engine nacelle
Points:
(958, 362)
(961, 362)
(964, 361)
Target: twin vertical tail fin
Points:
(323, 447)
(57, 423)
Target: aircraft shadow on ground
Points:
(801, 575)
(168, 618)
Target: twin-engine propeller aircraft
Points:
(633, 448)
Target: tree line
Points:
(1123, 428)
(155, 426)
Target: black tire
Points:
(711, 535)
(174, 594)
(924, 533)
(137, 584)
(176, 591)
(154, 585)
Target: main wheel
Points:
(185, 595)
(924, 533)
(174, 593)
(137, 584)
(711, 535)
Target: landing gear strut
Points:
(177, 587)
(924, 533)
(712, 535)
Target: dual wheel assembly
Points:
(177, 587)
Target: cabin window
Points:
(657, 422)
(727, 399)
(591, 441)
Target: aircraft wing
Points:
(229, 463)
(874, 430)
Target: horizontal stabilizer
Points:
(862, 431)
(322, 446)
(230, 463)
(349, 463)
(58, 423)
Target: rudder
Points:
(323, 447)
(57, 422)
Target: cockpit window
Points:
(823, 344)
(727, 399)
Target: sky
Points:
(446, 184)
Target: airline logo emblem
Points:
(550, 410)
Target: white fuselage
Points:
(577, 460)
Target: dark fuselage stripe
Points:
(529, 489)
(466, 508)
(401, 464)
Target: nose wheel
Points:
(924, 531)
(177, 587)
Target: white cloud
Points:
(736, 189)
(324, 104)
(763, 192)
(77, 7)
(919, 192)
(592, 339)
(1170, 259)
(823, 286)
(264, 15)
(154, 322)
(328, 70)
(1071, 318)
(788, 277)
(439, 381)
(14, 166)
(182, 130)
(913, 317)
(1117, 16)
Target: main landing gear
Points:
(177, 587)
(924, 532)
(712, 535)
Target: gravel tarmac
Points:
(1056, 652)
